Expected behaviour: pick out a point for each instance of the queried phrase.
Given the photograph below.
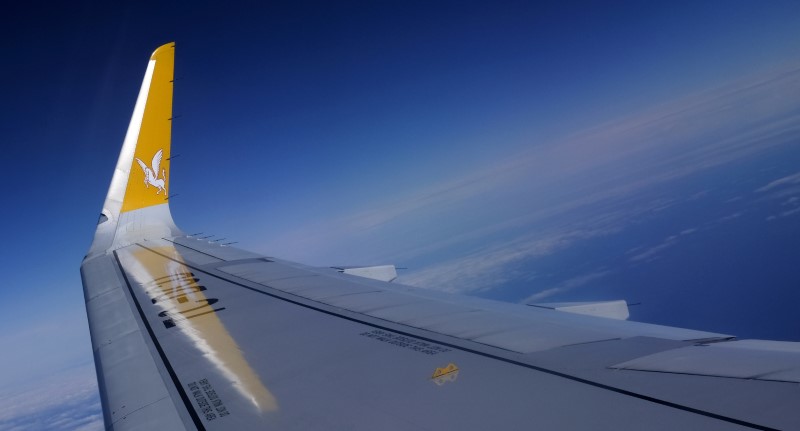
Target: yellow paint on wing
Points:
(189, 307)
(445, 374)
(149, 172)
(450, 368)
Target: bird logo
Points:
(151, 175)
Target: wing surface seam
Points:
(140, 409)
(194, 249)
(462, 348)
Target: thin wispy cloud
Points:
(793, 203)
(651, 252)
(780, 182)
(567, 285)
(782, 214)
(700, 194)
(599, 171)
(785, 192)
(786, 188)
(730, 217)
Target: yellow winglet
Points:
(148, 182)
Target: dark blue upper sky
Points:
(611, 146)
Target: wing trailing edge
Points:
(609, 309)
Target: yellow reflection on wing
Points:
(191, 308)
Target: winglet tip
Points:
(167, 47)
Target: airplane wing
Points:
(196, 335)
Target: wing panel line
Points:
(194, 249)
(465, 349)
(170, 370)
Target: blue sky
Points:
(489, 147)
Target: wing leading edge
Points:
(191, 334)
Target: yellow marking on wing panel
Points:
(175, 290)
(445, 374)
(148, 182)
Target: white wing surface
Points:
(194, 335)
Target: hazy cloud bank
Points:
(559, 193)
(66, 401)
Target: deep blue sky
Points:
(508, 149)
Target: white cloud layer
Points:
(524, 208)
(487, 269)
(67, 400)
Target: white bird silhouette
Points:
(151, 175)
